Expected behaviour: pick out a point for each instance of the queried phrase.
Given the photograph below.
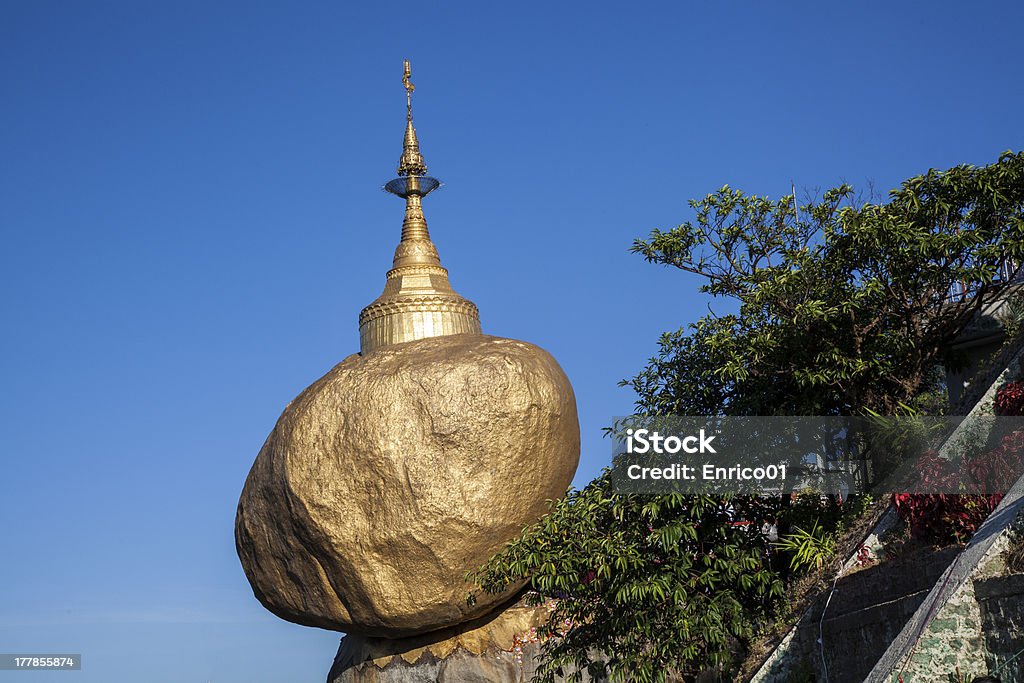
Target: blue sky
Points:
(192, 219)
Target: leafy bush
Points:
(952, 517)
(655, 584)
(810, 549)
(1010, 399)
(944, 518)
(955, 517)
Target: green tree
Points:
(653, 583)
(840, 308)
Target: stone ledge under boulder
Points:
(501, 648)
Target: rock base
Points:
(460, 666)
(499, 649)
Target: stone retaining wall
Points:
(867, 610)
(1001, 600)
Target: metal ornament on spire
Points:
(411, 162)
(418, 301)
(412, 169)
(409, 87)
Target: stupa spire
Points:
(411, 162)
(418, 301)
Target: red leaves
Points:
(955, 517)
(863, 555)
(1010, 399)
(946, 517)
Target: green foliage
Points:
(655, 584)
(810, 549)
(1012, 315)
(814, 525)
(839, 307)
(905, 433)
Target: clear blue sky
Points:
(192, 220)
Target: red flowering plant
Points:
(955, 517)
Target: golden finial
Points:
(409, 87)
(411, 162)
(418, 301)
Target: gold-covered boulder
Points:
(397, 472)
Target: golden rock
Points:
(397, 472)
(409, 463)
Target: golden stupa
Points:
(409, 463)
(418, 301)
